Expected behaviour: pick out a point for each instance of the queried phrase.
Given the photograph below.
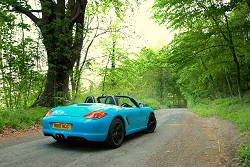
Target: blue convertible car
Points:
(109, 120)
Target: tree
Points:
(18, 58)
(213, 19)
(62, 28)
(115, 54)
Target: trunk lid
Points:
(77, 110)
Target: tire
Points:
(151, 124)
(115, 134)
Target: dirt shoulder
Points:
(206, 142)
(13, 134)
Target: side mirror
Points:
(142, 104)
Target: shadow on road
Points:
(78, 145)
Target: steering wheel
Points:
(125, 105)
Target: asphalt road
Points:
(138, 150)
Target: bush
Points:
(1, 124)
(244, 158)
(233, 109)
(153, 103)
(21, 118)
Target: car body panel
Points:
(71, 118)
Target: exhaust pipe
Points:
(59, 137)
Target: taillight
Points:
(48, 113)
(95, 115)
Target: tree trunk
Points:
(213, 89)
(62, 48)
(229, 86)
(237, 68)
(56, 88)
(231, 46)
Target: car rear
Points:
(77, 122)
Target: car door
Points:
(134, 116)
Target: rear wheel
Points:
(151, 124)
(116, 133)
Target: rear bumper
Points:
(75, 136)
(81, 128)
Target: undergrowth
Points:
(235, 110)
(21, 118)
(154, 104)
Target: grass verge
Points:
(235, 110)
(21, 118)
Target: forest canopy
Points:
(207, 59)
(211, 50)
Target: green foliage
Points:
(147, 76)
(244, 158)
(63, 26)
(153, 103)
(21, 74)
(210, 54)
(21, 118)
(233, 109)
(20, 78)
(2, 123)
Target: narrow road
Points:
(180, 139)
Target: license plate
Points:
(61, 126)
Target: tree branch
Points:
(19, 8)
(77, 9)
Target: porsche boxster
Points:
(105, 119)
